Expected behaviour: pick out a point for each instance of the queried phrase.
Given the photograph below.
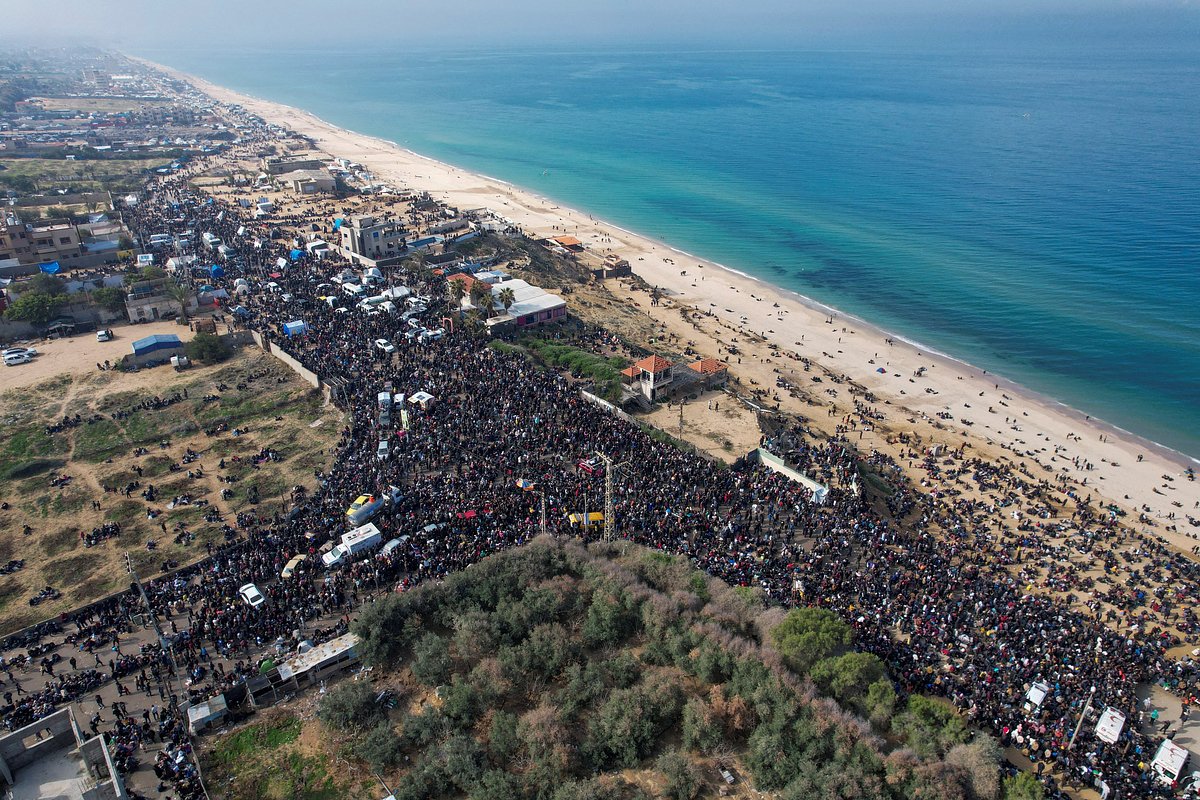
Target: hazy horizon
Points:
(274, 24)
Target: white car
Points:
(104, 336)
(253, 597)
(17, 351)
(387, 549)
(385, 346)
(17, 358)
(384, 450)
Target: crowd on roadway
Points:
(938, 595)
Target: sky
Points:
(130, 24)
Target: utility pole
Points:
(1082, 717)
(680, 419)
(170, 648)
(543, 495)
(609, 516)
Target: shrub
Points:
(207, 347)
(351, 706)
(381, 748)
(682, 776)
(431, 660)
(808, 635)
(930, 727)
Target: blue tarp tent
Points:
(240, 311)
(215, 271)
(295, 328)
(50, 268)
(207, 288)
(159, 341)
(337, 224)
(296, 254)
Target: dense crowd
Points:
(940, 594)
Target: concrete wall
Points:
(607, 406)
(14, 753)
(305, 373)
(774, 462)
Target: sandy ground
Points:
(994, 417)
(80, 354)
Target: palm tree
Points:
(506, 298)
(488, 302)
(457, 293)
(182, 295)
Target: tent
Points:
(50, 268)
(215, 271)
(296, 254)
(240, 311)
(337, 224)
(295, 328)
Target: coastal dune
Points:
(918, 392)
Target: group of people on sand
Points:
(957, 602)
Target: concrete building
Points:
(14, 240)
(652, 376)
(278, 165)
(148, 300)
(53, 758)
(308, 181)
(55, 241)
(376, 239)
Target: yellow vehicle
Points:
(290, 569)
(593, 518)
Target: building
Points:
(14, 240)
(376, 239)
(156, 348)
(278, 165)
(55, 241)
(531, 305)
(652, 376)
(308, 181)
(54, 758)
(712, 372)
(148, 300)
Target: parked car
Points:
(104, 336)
(253, 597)
(14, 351)
(390, 546)
(292, 565)
(383, 450)
(17, 358)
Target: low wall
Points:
(607, 406)
(301, 370)
(774, 462)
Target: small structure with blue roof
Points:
(157, 348)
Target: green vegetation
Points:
(35, 307)
(551, 671)
(27, 175)
(110, 298)
(207, 347)
(604, 372)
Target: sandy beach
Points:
(929, 398)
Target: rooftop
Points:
(653, 364)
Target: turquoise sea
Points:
(1032, 211)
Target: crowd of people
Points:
(957, 606)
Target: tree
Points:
(1023, 786)
(457, 293)
(110, 298)
(34, 307)
(980, 760)
(431, 660)
(849, 676)
(808, 635)
(682, 776)
(351, 706)
(151, 272)
(208, 348)
(381, 748)
(489, 304)
(180, 294)
(47, 284)
(930, 727)
(507, 297)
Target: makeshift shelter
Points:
(422, 399)
(159, 347)
(215, 271)
(296, 255)
(295, 328)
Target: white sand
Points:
(848, 346)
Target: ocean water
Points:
(1032, 211)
